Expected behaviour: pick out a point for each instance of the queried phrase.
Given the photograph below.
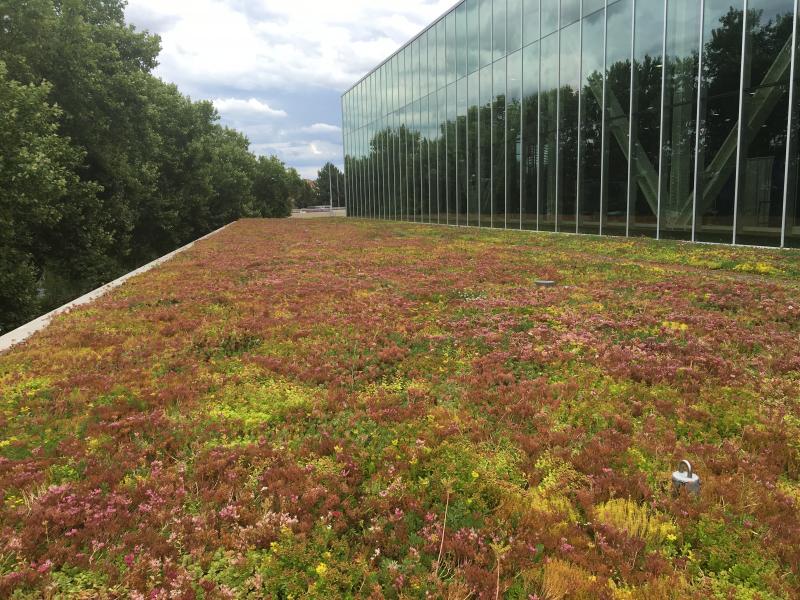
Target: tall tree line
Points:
(103, 166)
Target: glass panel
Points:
(461, 137)
(433, 168)
(514, 25)
(590, 6)
(423, 65)
(442, 156)
(485, 142)
(422, 161)
(570, 11)
(385, 190)
(499, 29)
(401, 79)
(473, 36)
(486, 32)
(513, 139)
(451, 47)
(547, 132)
(764, 118)
(461, 40)
(680, 96)
(403, 165)
(392, 165)
(530, 134)
(473, 213)
(499, 144)
(549, 16)
(592, 122)
(568, 131)
(395, 83)
(415, 157)
(792, 225)
(618, 92)
(441, 53)
(424, 210)
(431, 60)
(413, 71)
(646, 116)
(530, 21)
(719, 118)
(452, 156)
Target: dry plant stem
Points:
(444, 527)
(497, 590)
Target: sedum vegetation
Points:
(325, 409)
(103, 166)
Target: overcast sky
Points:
(276, 69)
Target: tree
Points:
(330, 180)
(271, 188)
(105, 166)
(41, 224)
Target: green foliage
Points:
(330, 183)
(103, 166)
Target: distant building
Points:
(617, 117)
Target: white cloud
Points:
(302, 43)
(255, 58)
(236, 106)
(321, 128)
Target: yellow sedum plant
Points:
(636, 520)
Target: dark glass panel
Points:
(442, 155)
(485, 143)
(679, 120)
(530, 134)
(473, 213)
(452, 157)
(417, 127)
(513, 139)
(485, 13)
(548, 121)
(530, 21)
(719, 120)
(461, 152)
(764, 117)
(792, 217)
(568, 130)
(424, 169)
(390, 158)
(433, 149)
(461, 40)
(387, 174)
(618, 92)
(591, 129)
(645, 120)
(499, 144)
(499, 29)
(402, 165)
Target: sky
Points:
(276, 69)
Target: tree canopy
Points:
(103, 166)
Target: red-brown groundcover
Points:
(339, 408)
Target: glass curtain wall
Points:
(660, 118)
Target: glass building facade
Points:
(664, 118)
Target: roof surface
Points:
(339, 407)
